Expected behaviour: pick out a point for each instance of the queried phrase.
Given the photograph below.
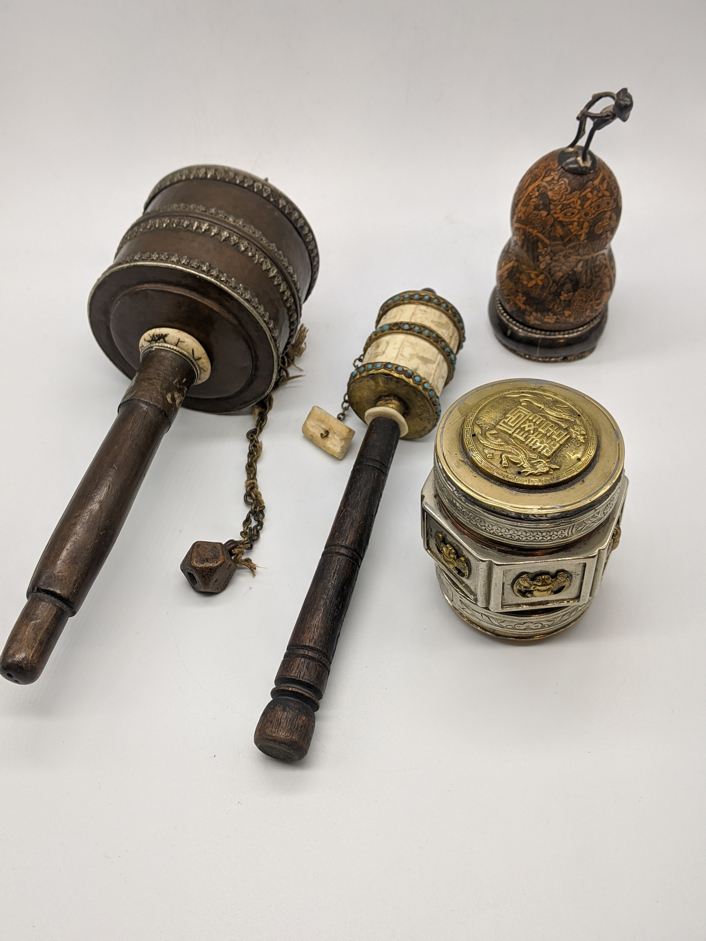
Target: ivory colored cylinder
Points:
(413, 350)
(408, 359)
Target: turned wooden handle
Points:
(286, 726)
(86, 532)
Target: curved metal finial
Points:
(620, 107)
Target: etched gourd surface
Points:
(557, 271)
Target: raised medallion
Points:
(529, 438)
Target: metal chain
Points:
(254, 521)
(255, 518)
(345, 404)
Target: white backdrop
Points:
(457, 787)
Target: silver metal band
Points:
(529, 534)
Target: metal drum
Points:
(223, 256)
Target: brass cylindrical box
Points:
(524, 505)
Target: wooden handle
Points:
(93, 519)
(286, 726)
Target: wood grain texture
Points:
(87, 531)
(287, 724)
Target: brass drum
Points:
(523, 507)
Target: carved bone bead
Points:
(327, 432)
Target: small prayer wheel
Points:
(524, 505)
(557, 272)
(410, 357)
(395, 388)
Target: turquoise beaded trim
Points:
(433, 300)
(400, 372)
(419, 330)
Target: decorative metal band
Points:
(494, 623)
(241, 224)
(243, 294)
(543, 356)
(423, 333)
(240, 243)
(262, 188)
(430, 299)
(400, 372)
(518, 532)
(510, 321)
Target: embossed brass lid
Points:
(528, 462)
(529, 437)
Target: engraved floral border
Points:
(518, 534)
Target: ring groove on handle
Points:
(287, 724)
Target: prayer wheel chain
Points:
(209, 566)
(345, 404)
(255, 518)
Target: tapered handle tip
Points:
(32, 640)
(285, 729)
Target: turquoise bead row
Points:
(426, 297)
(420, 330)
(396, 370)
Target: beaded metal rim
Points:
(427, 415)
(520, 327)
(401, 372)
(202, 268)
(265, 189)
(424, 333)
(432, 300)
(281, 274)
(249, 230)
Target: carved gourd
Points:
(557, 272)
